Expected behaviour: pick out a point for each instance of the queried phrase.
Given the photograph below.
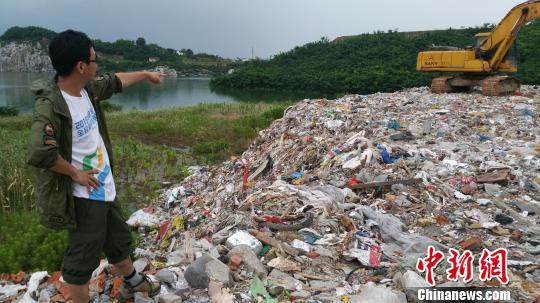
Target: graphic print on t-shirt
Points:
(99, 193)
(86, 124)
(88, 149)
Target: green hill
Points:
(383, 61)
(125, 54)
(29, 33)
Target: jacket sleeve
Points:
(105, 86)
(43, 144)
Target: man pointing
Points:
(71, 157)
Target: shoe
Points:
(147, 285)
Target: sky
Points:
(235, 28)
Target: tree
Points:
(140, 42)
(187, 51)
(367, 63)
(29, 33)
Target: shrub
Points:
(210, 147)
(274, 113)
(6, 111)
(110, 107)
(29, 246)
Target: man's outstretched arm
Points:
(133, 77)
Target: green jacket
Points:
(50, 136)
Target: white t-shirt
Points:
(88, 149)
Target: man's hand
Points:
(85, 178)
(155, 77)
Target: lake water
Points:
(15, 91)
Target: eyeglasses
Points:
(88, 61)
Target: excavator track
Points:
(441, 85)
(498, 85)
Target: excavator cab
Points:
(509, 62)
(478, 39)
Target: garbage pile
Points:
(338, 200)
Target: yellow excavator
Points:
(479, 65)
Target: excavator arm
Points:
(505, 33)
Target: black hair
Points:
(68, 48)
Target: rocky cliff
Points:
(24, 57)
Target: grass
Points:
(140, 170)
(149, 147)
(234, 124)
(16, 189)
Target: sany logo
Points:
(492, 264)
